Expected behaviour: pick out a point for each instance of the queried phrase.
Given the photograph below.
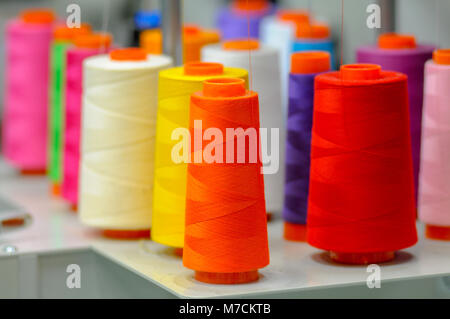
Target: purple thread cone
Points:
(410, 62)
(235, 24)
(298, 147)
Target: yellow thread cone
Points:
(169, 189)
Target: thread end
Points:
(310, 62)
(126, 234)
(312, 31)
(203, 68)
(38, 16)
(442, 56)
(55, 189)
(294, 232)
(224, 87)
(358, 72)
(295, 16)
(128, 54)
(13, 222)
(396, 41)
(32, 172)
(64, 33)
(178, 252)
(241, 44)
(250, 5)
(437, 232)
(93, 40)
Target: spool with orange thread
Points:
(27, 43)
(151, 41)
(304, 68)
(402, 53)
(360, 145)
(117, 157)
(194, 39)
(314, 37)
(434, 210)
(226, 227)
(62, 39)
(84, 46)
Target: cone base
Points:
(55, 189)
(127, 234)
(13, 222)
(362, 258)
(31, 172)
(178, 252)
(437, 232)
(295, 232)
(227, 278)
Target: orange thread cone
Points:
(226, 223)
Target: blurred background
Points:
(426, 19)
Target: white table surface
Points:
(293, 266)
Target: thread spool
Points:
(169, 198)
(62, 38)
(434, 167)
(399, 52)
(279, 31)
(265, 80)
(118, 131)
(26, 94)
(144, 21)
(361, 197)
(243, 18)
(226, 230)
(194, 39)
(84, 46)
(304, 68)
(151, 41)
(314, 37)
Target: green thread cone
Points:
(57, 101)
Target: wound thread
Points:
(62, 39)
(361, 195)
(118, 137)
(400, 53)
(226, 226)
(98, 44)
(25, 119)
(434, 175)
